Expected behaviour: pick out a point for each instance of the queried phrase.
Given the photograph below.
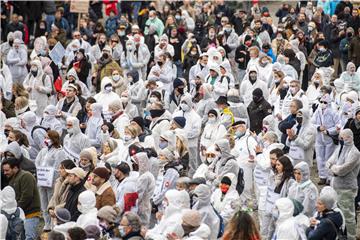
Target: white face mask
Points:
(108, 89)
(293, 90)
(184, 107)
(70, 130)
(116, 78)
(266, 144)
(127, 138)
(211, 120)
(153, 99)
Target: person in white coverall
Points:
(93, 126)
(213, 130)
(285, 222)
(86, 205)
(106, 95)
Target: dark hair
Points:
(79, 90)
(298, 103)
(91, 100)
(68, 164)
(53, 235)
(77, 233)
(278, 152)
(242, 226)
(55, 138)
(288, 172)
(20, 138)
(12, 162)
(124, 168)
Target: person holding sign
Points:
(48, 160)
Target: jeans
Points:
(45, 196)
(30, 225)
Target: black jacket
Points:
(72, 200)
(356, 131)
(257, 112)
(325, 229)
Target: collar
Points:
(103, 187)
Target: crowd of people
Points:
(195, 120)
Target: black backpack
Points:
(15, 228)
(240, 181)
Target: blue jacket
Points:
(325, 230)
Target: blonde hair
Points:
(21, 102)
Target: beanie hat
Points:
(213, 111)
(108, 213)
(63, 215)
(102, 172)
(327, 199)
(298, 207)
(357, 110)
(226, 180)
(92, 231)
(86, 154)
(191, 218)
(178, 82)
(140, 121)
(180, 121)
(257, 92)
(110, 126)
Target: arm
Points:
(27, 183)
(306, 141)
(348, 166)
(170, 178)
(47, 87)
(12, 58)
(195, 129)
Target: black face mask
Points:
(299, 120)
(156, 113)
(105, 55)
(180, 90)
(256, 99)
(341, 142)
(160, 63)
(283, 92)
(34, 73)
(9, 141)
(51, 47)
(11, 42)
(316, 84)
(101, 45)
(6, 132)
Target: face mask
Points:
(108, 89)
(322, 49)
(224, 188)
(341, 142)
(70, 130)
(9, 141)
(293, 90)
(11, 42)
(121, 33)
(156, 113)
(310, 28)
(323, 105)
(210, 159)
(105, 55)
(256, 99)
(48, 142)
(6, 132)
(184, 107)
(34, 72)
(299, 120)
(193, 52)
(180, 90)
(122, 231)
(227, 30)
(116, 78)
(153, 99)
(103, 225)
(79, 56)
(279, 37)
(163, 144)
(239, 134)
(211, 120)
(348, 142)
(127, 138)
(211, 35)
(275, 214)
(160, 63)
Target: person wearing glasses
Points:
(325, 120)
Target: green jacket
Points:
(26, 190)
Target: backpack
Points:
(15, 228)
(240, 181)
(222, 224)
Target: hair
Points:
(68, 164)
(77, 233)
(91, 100)
(124, 168)
(21, 102)
(288, 172)
(20, 138)
(55, 138)
(19, 90)
(78, 90)
(242, 227)
(53, 235)
(278, 152)
(12, 162)
(132, 130)
(298, 103)
(181, 147)
(134, 221)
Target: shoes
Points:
(322, 181)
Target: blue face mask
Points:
(239, 134)
(163, 144)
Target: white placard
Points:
(57, 53)
(45, 176)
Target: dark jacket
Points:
(242, 52)
(8, 108)
(325, 229)
(331, 33)
(356, 131)
(133, 236)
(354, 51)
(324, 59)
(257, 112)
(26, 190)
(287, 123)
(72, 200)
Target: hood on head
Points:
(320, 73)
(72, 72)
(223, 145)
(14, 148)
(170, 137)
(87, 200)
(203, 193)
(285, 207)
(38, 64)
(253, 68)
(270, 120)
(329, 193)
(184, 199)
(75, 123)
(8, 200)
(105, 81)
(75, 45)
(207, 90)
(306, 115)
(96, 109)
(29, 118)
(45, 61)
(174, 197)
(164, 37)
(350, 65)
(9, 36)
(18, 35)
(187, 99)
(51, 110)
(143, 161)
(13, 122)
(303, 167)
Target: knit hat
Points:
(139, 121)
(63, 215)
(178, 82)
(327, 199)
(222, 100)
(102, 172)
(123, 167)
(191, 218)
(77, 171)
(213, 111)
(357, 110)
(92, 232)
(108, 213)
(116, 105)
(226, 180)
(169, 155)
(298, 207)
(110, 126)
(180, 121)
(247, 38)
(257, 92)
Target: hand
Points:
(158, 215)
(253, 134)
(279, 117)
(290, 133)
(258, 149)
(241, 59)
(338, 129)
(313, 222)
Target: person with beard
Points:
(104, 67)
(172, 101)
(257, 110)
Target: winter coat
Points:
(325, 229)
(323, 59)
(257, 112)
(61, 190)
(105, 196)
(17, 60)
(105, 98)
(72, 200)
(354, 51)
